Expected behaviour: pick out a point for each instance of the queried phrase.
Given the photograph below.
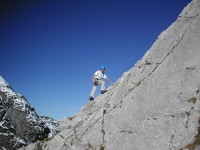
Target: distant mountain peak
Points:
(20, 124)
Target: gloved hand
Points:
(95, 82)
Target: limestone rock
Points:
(153, 106)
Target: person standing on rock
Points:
(98, 75)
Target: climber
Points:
(96, 81)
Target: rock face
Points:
(153, 106)
(19, 123)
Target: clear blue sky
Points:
(51, 48)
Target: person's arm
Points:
(93, 79)
(109, 80)
(95, 74)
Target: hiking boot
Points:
(103, 91)
(91, 98)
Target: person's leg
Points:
(93, 91)
(102, 86)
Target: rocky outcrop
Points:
(19, 123)
(153, 106)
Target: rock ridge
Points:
(153, 106)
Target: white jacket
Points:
(98, 74)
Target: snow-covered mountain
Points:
(19, 123)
